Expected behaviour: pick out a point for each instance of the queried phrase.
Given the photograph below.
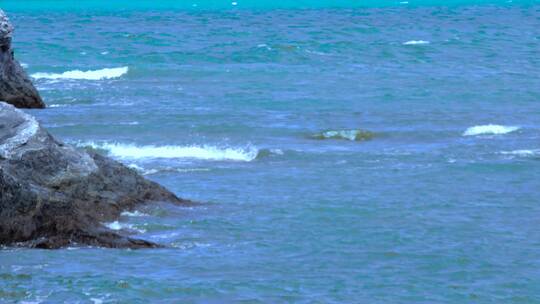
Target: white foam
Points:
(116, 225)
(489, 130)
(142, 170)
(133, 214)
(416, 42)
(346, 134)
(354, 135)
(276, 151)
(24, 65)
(265, 46)
(206, 152)
(522, 153)
(129, 123)
(136, 167)
(85, 75)
(150, 172)
(192, 170)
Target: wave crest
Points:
(353, 135)
(415, 42)
(205, 152)
(522, 153)
(85, 75)
(489, 130)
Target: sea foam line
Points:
(205, 152)
(489, 130)
(85, 75)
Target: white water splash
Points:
(116, 225)
(84, 75)
(205, 152)
(489, 130)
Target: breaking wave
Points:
(415, 42)
(84, 75)
(353, 135)
(522, 153)
(205, 152)
(489, 130)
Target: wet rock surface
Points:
(16, 87)
(54, 195)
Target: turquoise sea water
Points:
(230, 105)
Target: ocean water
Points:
(343, 152)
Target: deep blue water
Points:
(227, 107)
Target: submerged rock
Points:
(53, 195)
(15, 85)
(353, 135)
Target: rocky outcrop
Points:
(15, 85)
(53, 195)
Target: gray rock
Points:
(53, 195)
(16, 87)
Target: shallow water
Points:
(221, 106)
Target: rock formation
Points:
(15, 86)
(53, 195)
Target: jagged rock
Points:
(16, 87)
(53, 195)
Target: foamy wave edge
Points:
(206, 152)
(489, 130)
(108, 73)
